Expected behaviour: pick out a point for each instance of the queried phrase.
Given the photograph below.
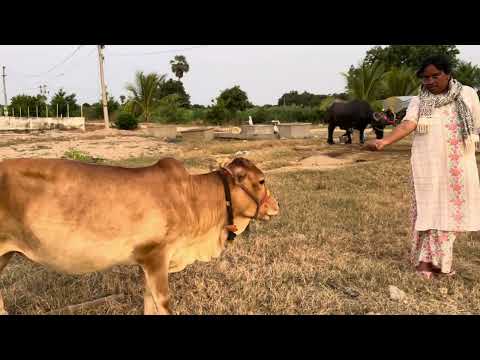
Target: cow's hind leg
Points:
(156, 297)
(4, 259)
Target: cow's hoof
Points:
(330, 142)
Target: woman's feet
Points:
(425, 274)
(427, 271)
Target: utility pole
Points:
(101, 58)
(5, 111)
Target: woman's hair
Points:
(441, 62)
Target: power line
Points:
(53, 77)
(157, 52)
(59, 64)
(58, 75)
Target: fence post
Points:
(13, 110)
(68, 111)
(28, 111)
(20, 111)
(81, 110)
(46, 108)
(57, 110)
(37, 111)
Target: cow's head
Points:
(250, 195)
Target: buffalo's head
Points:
(380, 119)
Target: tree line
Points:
(384, 72)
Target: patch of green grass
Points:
(74, 154)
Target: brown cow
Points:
(77, 218)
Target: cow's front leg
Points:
(156, 297)
(149, 306)
(331, 128)
(362, 136)
(349, 136)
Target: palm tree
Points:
(400, 82)
(143, 93)
(468, 74)
(179, 66)
(364, 83)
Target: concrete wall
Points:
(252, 130)
(198, 135)
(294, 130)
(161, 131)
(41, 123)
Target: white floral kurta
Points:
(446, 181)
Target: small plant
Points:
(126, 121)
(74, 154)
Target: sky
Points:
(265, 72)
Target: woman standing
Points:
(446, 191)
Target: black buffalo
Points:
(356, 114)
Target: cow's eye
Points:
(262, 182)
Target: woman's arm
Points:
(404, 129)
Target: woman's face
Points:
(436, 81)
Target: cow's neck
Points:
(212, 185)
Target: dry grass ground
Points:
(341, 240)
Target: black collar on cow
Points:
(231, 227)
(228, 197)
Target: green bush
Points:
(218, 114)
(126, 121)
(283, 114)
(170, 115)
(170, 111)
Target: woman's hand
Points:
(375, 145)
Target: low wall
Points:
(257, 132)
(161, 131)
(294, 130)
(43, 123)
(200, 135)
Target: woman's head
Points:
(435, 73)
